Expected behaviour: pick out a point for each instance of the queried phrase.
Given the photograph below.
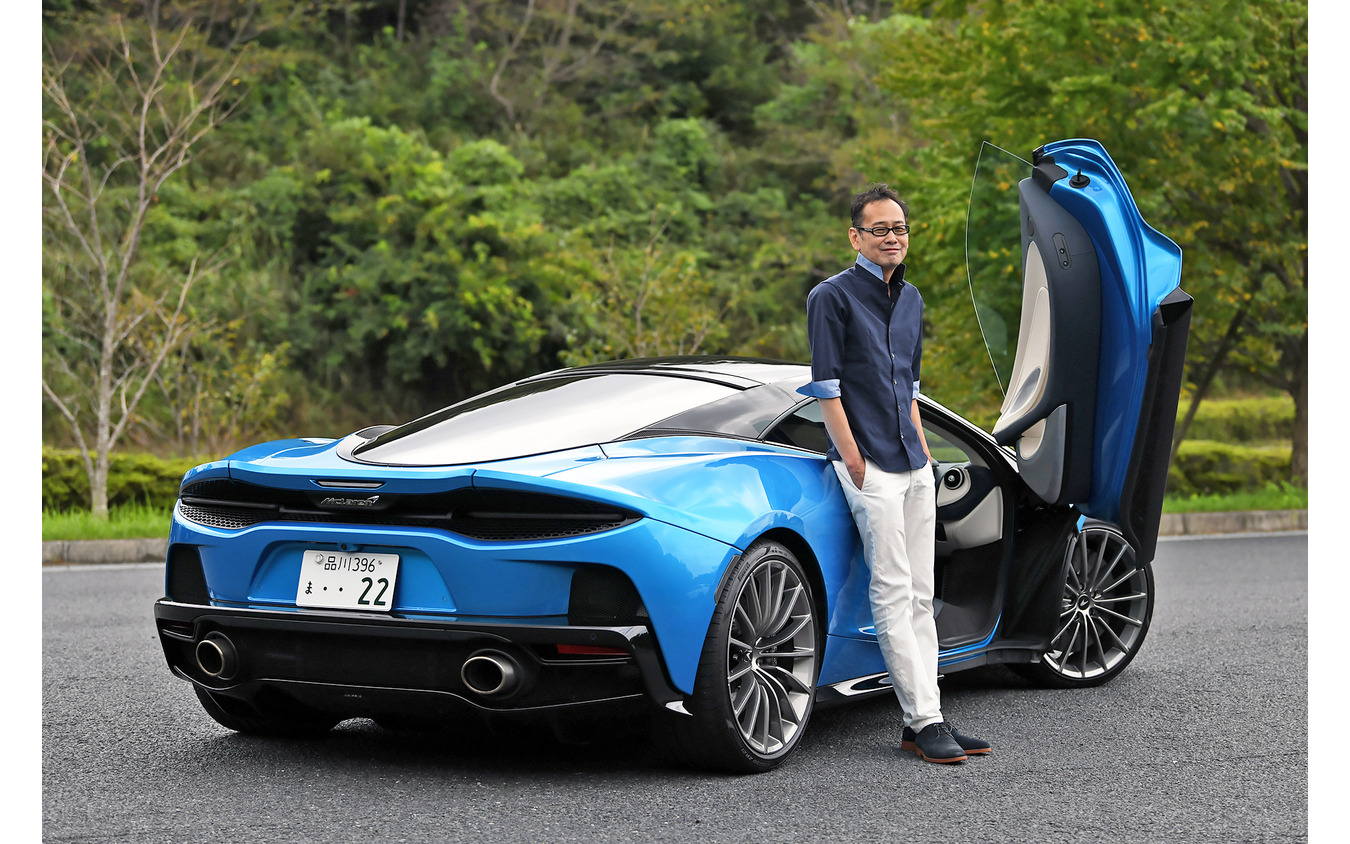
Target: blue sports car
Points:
(665, 535)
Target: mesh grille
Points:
(604, 595)
(487, 515)
(221, 517)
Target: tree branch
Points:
(505, 60)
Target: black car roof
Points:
(740, 372)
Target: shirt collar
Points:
(875, 269)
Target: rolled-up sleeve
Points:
(917, 361)
(827, 389)
(826, 321)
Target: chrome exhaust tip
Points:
(216, 656)
(491, 673)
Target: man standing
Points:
(866, 334)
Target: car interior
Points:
(972, 521)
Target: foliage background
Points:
(415, 200)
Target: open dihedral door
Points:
(1092, 370)
(1047, 413)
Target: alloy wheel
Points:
(771, 657)
(1105, 608)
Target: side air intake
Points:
(184, 579)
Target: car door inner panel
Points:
(1047, 413)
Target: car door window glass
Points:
(994, 254)
(943, 450)
(803, 428)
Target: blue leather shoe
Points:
(934, 743)
(970, 745)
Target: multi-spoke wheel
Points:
(1104, 611)
(756, 680)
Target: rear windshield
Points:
(539, 417)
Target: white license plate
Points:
(339, 580)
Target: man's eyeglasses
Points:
(882, 231)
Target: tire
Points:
(756, 682)
(252, 719)
(1105, 611)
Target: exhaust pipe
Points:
(492, 673)
(216, 656)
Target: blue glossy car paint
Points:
(704, 501)
(1139, 267)
(675, 570)
(736, 492)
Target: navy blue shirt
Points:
(866, 344)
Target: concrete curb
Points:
(89, 551)
(1254, 521)
(1173, 524)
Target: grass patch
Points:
(131, 521)
(1281, 496)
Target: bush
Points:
(132, 479)
(1241, 420)
(1206, 467)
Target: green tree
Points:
(414, 278)
(649, 300)
(830, 101)
(1204, 107)
(126, 101)
(816, 149)
(222, 392)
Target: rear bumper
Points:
(357, 665)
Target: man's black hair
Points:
(874, 193)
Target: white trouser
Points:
(895, 513)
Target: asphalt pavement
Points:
(1204, 738)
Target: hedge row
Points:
(1201, 467)
(132, 479)
(1241, 420)
(1205, 467)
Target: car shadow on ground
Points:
(613, 745)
